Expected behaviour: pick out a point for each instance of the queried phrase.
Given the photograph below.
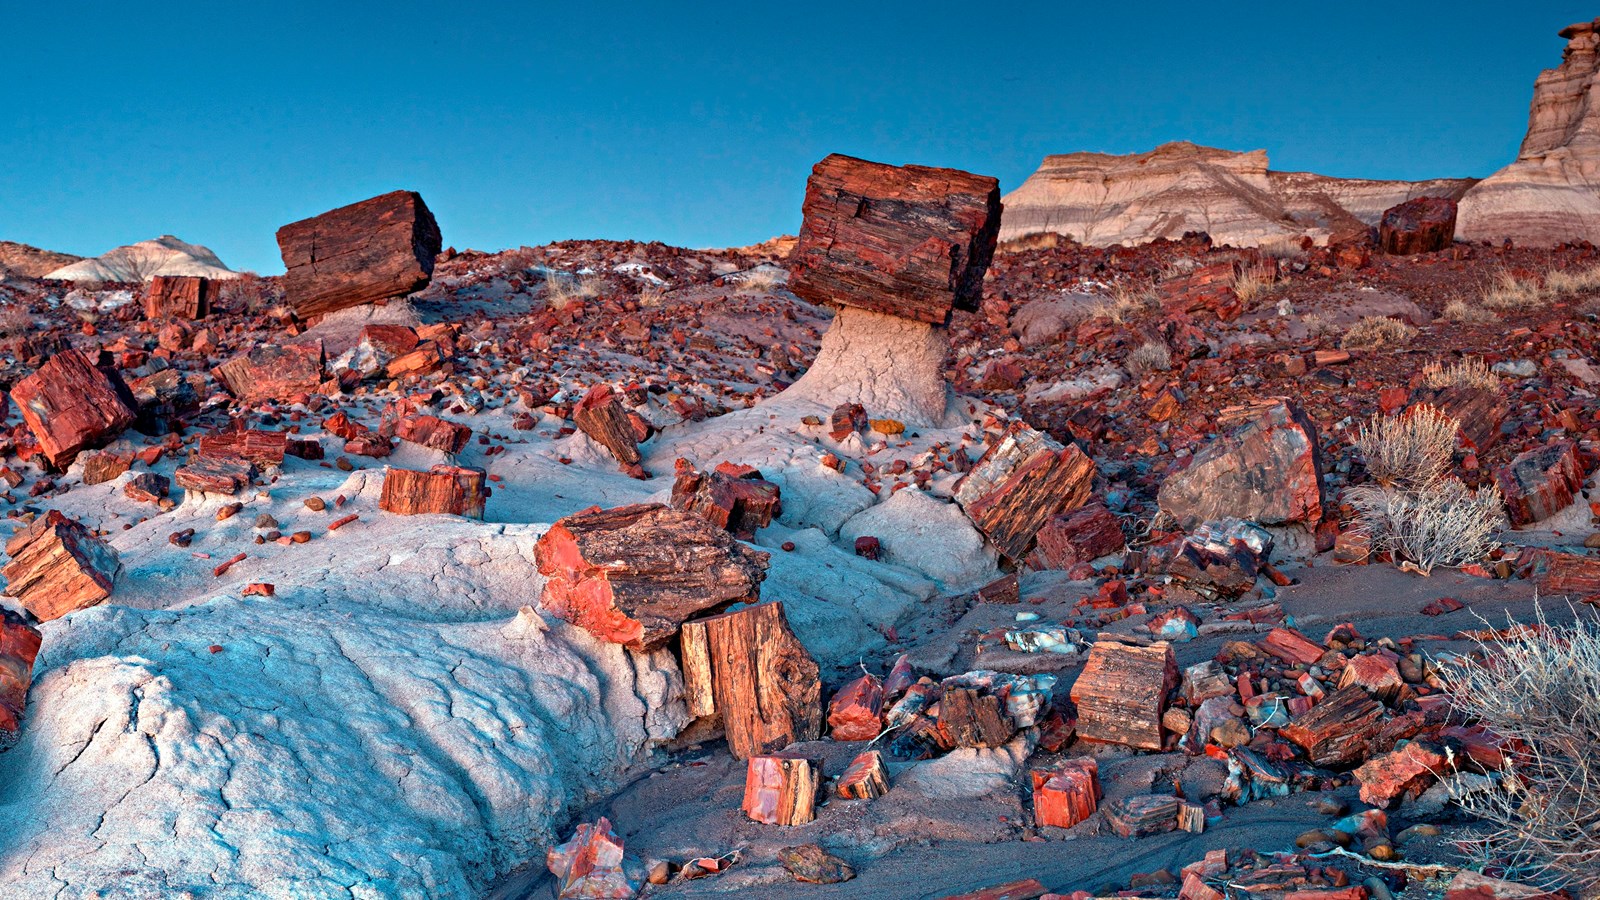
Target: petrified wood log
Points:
(19, 646)
(434, 433)
(1291, 646)
(1020, 484)
(103, 466)
(1478, 411)
(856, 712)
(178, 296)
(1143, 814)
(600, 415)
(1265, 467)
(1067, 794)
(748, 667)
(975, 719)
(451, 490)
(1336, 731)
(217, 474)
(362, 253)
(263, 448)
(633, 574)
(146, 487)
(1080, 536)
(1566, 573)
(1122, 693)
(271, 372)
(57, 566)
(866, 778)
(782, 789)
(728, 497)
(1419, 225)
(910, 241)
(70, 405)
(1540, 482)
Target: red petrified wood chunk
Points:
(856, 712)
(1026, 889)
(445, 489)
(215, 474)
(1567, 573)
(909, 241)
(433, 432)
(146, 487)
(1143, 814)
(1541, 482)
(749, 669)
(1419, 225)
(866, 778)
(57, 566)
(70, 405)
(1020, 484)
(1266, 467)
(362, 253)
(1404, 772)
(589, 864)
(1067, 794)
(1374, 673)
(1080, 536)
(633, 574)
(1469, 885)
(736, 500)
(1122, 693)
(273, 372)
(19, 645)
(782, 789)
(1291, 646)
(103, 466)
(601, 416)
(263, 448)
(847, 419)
(178, 296)
(1336, 731)
(1479, 411)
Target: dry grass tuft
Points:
(1254, 282)
(760, 280)
(1286, 247)
(1537, 688)
(1507, 290)
(1462, 373)
(1377, 331)
(1124, 302)
(1151, 356)
(1459, 310)
(562, 290)
(1562, 283)
(249, 293)
(1410, 451)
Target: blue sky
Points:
(523, 123)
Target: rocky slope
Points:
(31, 261)
(166, 255)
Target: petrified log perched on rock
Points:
(1541, 482)
(1419, 225)
(1076, 537)
(1020, 484)
(434, 433)
(1067, 794)
(735, 498)
(19, 646)
(782, 789)
(271, 372)
(362, 253)
(219, 474)
(910, 241)
(1336, 731)
(57, 566)
(748, 668)
(1266, 468)
(70, 405)
(600, 415)
(451, 490)
(633, 574)
(263, 448)
(1122, 693)
(866, 778)
(178, 296)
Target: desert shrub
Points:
(1563, 283)
(1507, 290)
(562, 290)
(1123, 302)
(1410, 451)
(1462, 373)
(1443, 524)
(760, 280)
(1285, 247)
(1151, 356)
(1537, 687)
(1254, 282)
(1377, 331)
(1317, 323)
(249, 293)
(1459, 310)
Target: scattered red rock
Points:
(57, 566)
(70, 405)
(19, 646)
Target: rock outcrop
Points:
(1102, 199)
(32, 261)
(166, 255)
(1551, 193)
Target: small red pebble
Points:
(215, 648)
(219, 570)
(340, 523)
(788, 546)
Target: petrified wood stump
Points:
(601, 416)
(70, 405)
(748, 668)
(633, 574)
(1020, 484)
(1122, 693)
(178, 296)
(451, 490)
(271, 372)
(782, 790)
(19, 646)
(57, 566)
(362, 253)
(1067, 794)
(910, 241)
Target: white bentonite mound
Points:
(166, 255)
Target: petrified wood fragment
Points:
(369, 251)
(856, 712)
(1143, 814)
(273, 372)
(910, 241)
(633, 574)
(1419, 225)
(1122, 693)
(1020, 484)
(729, 497)
(263, 448)
(974, 718)
(1266, 467)
(1540, 482)
(782, 789)
(217, 474)
(1067, 794)
(866, 778)
(70, 405)
(178, 296)
(601, 416)
(433, 432)
(450, 490)
(1478, 411)
(19, 646)
(56, 566)
(104, 465)
(748, 667)
(1076, 537)
(1336, 731)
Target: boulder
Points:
(1265, 467)
(178, 297)
(910, 241)
(1419, 225)
(70, 405)
(56, 566)
(273, 372)
(1022, 482)
(362, 253)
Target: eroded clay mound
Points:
(894, 367)
(166, 255)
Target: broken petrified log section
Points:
(215, 474)
(782, 789)
(1020, 484)
(601, 416)
(1067, 794)
(185, 297)
(749, 669)
(19, 646)
(734, 498)
(590, 865)
(366, 252)
(910, 241)
(1336, 731)
(1419, 225)
(856, 711)
(1122, 693)
(262, 448)
(1080, 536)
(273, 372)
(1541, 482)
(56, 566)
(1266, 467)
(444, 489)
(975, 719)
(70, 405)
(433, 432)
(866, 778)
(633, 575)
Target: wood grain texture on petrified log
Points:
(19, 646)
(273, 372)
(56, 566)
(217, 474)
(1265, 467)
(1336, 731)
(71, 405)
(600, 415)
(1143, 814)
(866, 778)
(1478, 411)
(975, 719)
(782, 789)
(1080, 536)
(911, 241)
(178, 296)
(1020, 484)
(433, 432)
(738, 503)
(1541, 482)
(1067, 793)
(1122, 692)
(369, 251)
(451, 490)
(762, 682)
(263, 448)
(633, 574)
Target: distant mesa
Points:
(166, 255)
(31, 262)
(1551, 193)
(1101, 199)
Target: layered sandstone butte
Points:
(166, 255)
(362, 253)
(1551, 193)
(1101, 199)
(911, 241)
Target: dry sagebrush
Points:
(1377, 331)
(1151, 356)
(1462, 373)
(1540, 687)
(1410, 451)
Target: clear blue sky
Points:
(696, 124)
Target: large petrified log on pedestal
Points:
(452, 490)
(1266, 467)
(910, 241)
(271, 372)
(57, 566)
(178, 296)
(1020, 484)
(1122, 693)
(362, 253)
(748, 668)
(633, 574)
(71, 405)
